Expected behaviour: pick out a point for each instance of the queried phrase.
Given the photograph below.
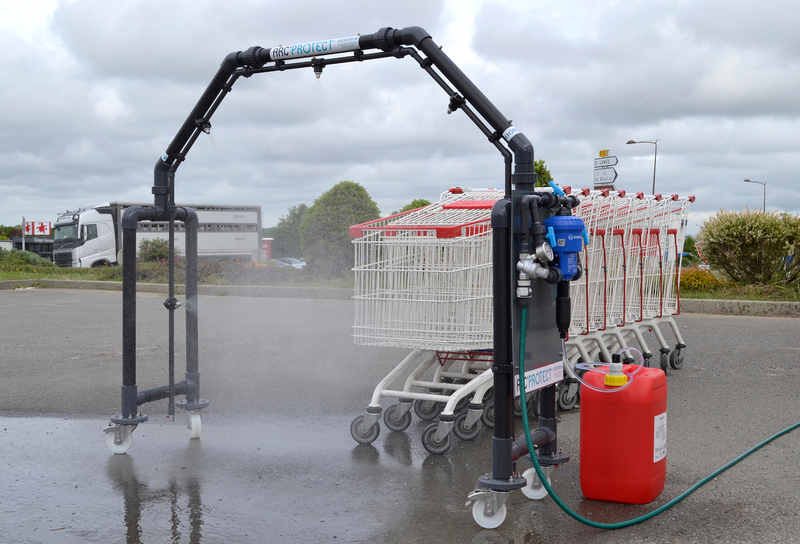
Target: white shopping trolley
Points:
(423, 280)
(632, 266)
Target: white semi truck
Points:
(92, 236)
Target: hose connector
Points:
(533, 269)
(615, 376)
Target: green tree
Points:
(7, 232)
(542, 173)
(413, 205)
(286, 239)
(326, 227)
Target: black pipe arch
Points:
(391, 43)
(464, 95)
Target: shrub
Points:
(154, 250)
(753, 247)
(694, 279)
(15, 257)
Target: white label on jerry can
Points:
(660, 438)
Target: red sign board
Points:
(37, 228)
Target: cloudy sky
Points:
(94, 91)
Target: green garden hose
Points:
(621, 524)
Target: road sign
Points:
(605, 161)
(604, 176)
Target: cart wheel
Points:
(532, 400)
(676, 358)
(664, 362)
(393, 422)
(120, 448)
(194, 424)
(487, 417)
(466, 433)
(361, 435)
(534, 489)
(430, 442)
(567, 401)
(485, 521)
(460, 405)
(427, 410)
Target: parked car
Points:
(291, 261)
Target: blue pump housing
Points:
(566, 234)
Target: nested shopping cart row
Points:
(631, 280)
(423, 281)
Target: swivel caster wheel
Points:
(427, 410)
(488, 522)
(487, 417)
(676, 358)
(395, 423)
(118, 439)
(194, 424)
(534, 489)
(431, 443)
(464, 432)
(362, 435)
(567, 396)
(664, 362)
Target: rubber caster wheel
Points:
(567, 401)
(362, 435)
(487, 417)
(427, 410)
(394, 423)
(664, 362)
(534, 489)
(463, 432)
(532, 401)
(120, 448)
(485, 521)
(676, 358)
(436, 447)
(194, 424)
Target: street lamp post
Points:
(655, 156)
(764, 183)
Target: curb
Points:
(755, 308)
(688, 305)
(211, 290)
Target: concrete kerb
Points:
(213, 290)
(689, 305)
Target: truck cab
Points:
(84, 239)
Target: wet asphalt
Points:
(276, 462)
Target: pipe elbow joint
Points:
(189, 217)
(413, 35)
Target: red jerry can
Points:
(624, 437)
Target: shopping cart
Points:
(632, 279)
(423, 280)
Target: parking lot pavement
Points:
(276, 462)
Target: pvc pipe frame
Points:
(131, 397)
(391, 43)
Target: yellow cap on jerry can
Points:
(615, 376)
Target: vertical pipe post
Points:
(192, 347)
(503, 439)
(129, 405)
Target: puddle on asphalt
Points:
(243, 481)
